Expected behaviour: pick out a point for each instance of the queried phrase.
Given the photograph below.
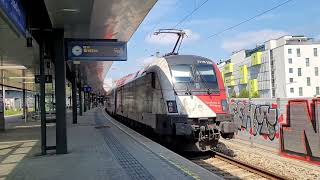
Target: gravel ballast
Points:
(269, 160)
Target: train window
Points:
(181, 72)
(206, 72)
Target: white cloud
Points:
(170, 39)
(144, 61)
(250, 39)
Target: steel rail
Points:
(256, 170)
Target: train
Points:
(181, 98)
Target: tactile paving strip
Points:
(134, 169)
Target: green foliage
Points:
(233, 95)
(255, 95)
(10, 112)
(243, 93)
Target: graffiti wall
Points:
(292, 126)
(257, 122)
(300, 137)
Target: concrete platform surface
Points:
(99, 148)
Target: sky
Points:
(298, 17)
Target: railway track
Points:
(230, 168)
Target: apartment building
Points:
(285, 67)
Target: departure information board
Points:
(95, 50)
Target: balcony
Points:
(228, 68)
(243, 73)
(253, 86)
(229, 81)
(256, 58)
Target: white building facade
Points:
(287, 67)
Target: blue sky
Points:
(298, 17)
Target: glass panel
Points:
(206, 72)
(182, 73)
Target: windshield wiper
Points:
(188, 90)
(202, 79)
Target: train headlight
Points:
(224, 104)
(172, 106)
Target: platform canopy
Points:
(98, 19)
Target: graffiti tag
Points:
(257, 119)
(300, 136)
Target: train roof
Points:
(186, 59)
(171, 60)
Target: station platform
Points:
(99, 148)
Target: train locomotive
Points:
(181, 98)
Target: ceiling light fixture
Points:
(21, 77)
(12, 67)
(70, 10)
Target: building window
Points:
(300, 91)
(316, 71)
(290, 70)
(317, 90)
(299, 72)
(273, 93)
(298, 52)
(289, 51)
(290, 60)
(307, 62)
(291, 80)
(292, 90)
(308, 81)
(315, 51)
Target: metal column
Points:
(24, 104)
(74, 96)
(84, 102)
(89, 101)
(42, 102)
(60, 91)
(80, 99)
(2, 120)
(35, 103)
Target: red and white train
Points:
(180, 97)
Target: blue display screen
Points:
(96, 50)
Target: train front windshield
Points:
(195, 77)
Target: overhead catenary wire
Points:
(249, 19)
(191, 13)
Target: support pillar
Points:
(74, 96)
(89, 101)
(60, 91)
(84, 102)
(2, 98)
(35, 103)
(80, 98)
(24, 105)
(42, 102)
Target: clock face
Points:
(76, 50)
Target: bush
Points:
(233, 95)
(255, 95)
(243, 94)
